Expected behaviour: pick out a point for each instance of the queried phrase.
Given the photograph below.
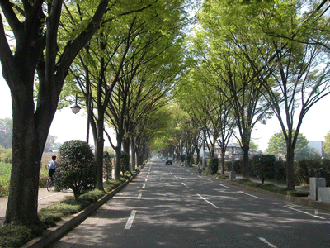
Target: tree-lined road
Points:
(172, 206)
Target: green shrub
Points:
(214, 165)
(6, 156)
(92, 196)
(124, 162)
(280, 172)
(264, 166)
(15, 236)
(5, 175)
(107, 164)
(77, 167)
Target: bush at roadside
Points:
(77, 169)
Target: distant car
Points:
(169, 160)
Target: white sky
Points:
(68, 126)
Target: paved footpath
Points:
(45, 198)
(173, 206)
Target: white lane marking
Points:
(175, 176)
(140, 195)
(207, 201)
(200, 176)
(210, 180)
(130, 220)
(266, 242)
(247, 194)
(47, 196)
(184, 185)
(251, 195)
(147, 176)
(224, 186)
(144, 185)
(146, 180)
(299, 211)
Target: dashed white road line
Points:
(266, 242)
(140, 195)
(144, 185)
(247, 194)
(130, 220)
(184, 185)
(210, 180)
(224, 186)
(207, 201)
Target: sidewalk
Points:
(45, 199)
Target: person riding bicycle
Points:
(51, 167)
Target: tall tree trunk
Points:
(31, 130)
(22, 202)
(133, 153)
(198, 155)
(117, 164)
(126, 144)
(290, 168)
(245, 164)
(99, 152)
(223, 151)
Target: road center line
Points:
(266, 242)
(207, 201)
(130, 220)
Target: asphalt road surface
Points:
(173, 206)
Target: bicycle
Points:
(50, 184)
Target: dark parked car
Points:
(169, 160)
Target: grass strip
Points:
(271, 188)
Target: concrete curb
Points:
(63, 227)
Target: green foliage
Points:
(107, 164)
(233, 165)
(214, 165)
(304, 169)
(77, 167)
(326, 144)
(277, 145)
(264, 166)
(280, 174)
(6, 156)
(272, 188)
(15, 236)
(124, 162)
(5, 175)
(92, 196)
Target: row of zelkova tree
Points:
(122, 55)
(255, 59)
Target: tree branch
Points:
(7, 9)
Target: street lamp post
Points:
(76, 108)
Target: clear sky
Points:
(68, 126)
